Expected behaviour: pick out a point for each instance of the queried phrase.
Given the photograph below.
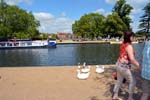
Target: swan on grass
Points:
(82, 76)
(99, 69)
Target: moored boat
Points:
(27, 44)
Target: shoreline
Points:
(91, 42)
(56, 83)
(69, 66)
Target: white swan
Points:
(84, 64)
(82, 76)
(86, 69)
(99, 69)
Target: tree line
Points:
(94, 25)
(16, 22)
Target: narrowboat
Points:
(27, 44)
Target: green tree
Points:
(4, 30)
(114, 26)
(15, 22)
(145, 20)
(54, 36)
(89, 25)
(96, 25)
(123, 11)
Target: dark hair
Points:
(127, 36)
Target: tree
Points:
(123, 11)
(4, 30)
(15, 22)
(114, 26)
(89, 25)
(145, 20)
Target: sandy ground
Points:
(55, 83)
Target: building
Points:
(66, 36)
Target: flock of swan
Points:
(83, 72)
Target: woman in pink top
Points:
(126, 58)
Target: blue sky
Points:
(58, 15)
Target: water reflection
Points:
(67, 55)
(97, 53)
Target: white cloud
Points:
(110, 1)
(132, 17)
(139, 2)
(135, 26)
(50, 24)
(63, 14)
(102, 11)
(43, 16)
(132, 2)
(15, 2)
(137, 11)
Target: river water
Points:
(64, 55)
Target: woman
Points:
(126, 58)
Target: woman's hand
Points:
(131, 55)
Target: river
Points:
(64, 55)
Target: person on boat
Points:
(14, 41)
(145, 74)
(126, 58)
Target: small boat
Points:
(27, 44)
